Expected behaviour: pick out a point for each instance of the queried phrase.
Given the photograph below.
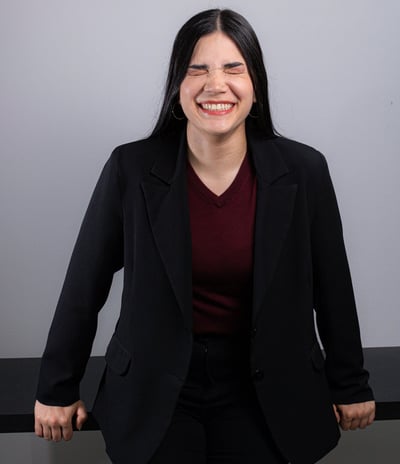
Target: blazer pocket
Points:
(317, 357)
(117, 357)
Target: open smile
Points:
(215, 108)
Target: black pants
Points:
(217, 419)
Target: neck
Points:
(217, 153)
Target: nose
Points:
(216, 81)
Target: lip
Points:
(216, 108)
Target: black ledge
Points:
(18, 379)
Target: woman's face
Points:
(216, 94)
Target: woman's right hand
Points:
(55, 422)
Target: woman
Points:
(229, 237)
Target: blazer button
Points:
(253, 332)
(258, 374)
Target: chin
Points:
(225, 131)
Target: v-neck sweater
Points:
(222, 229)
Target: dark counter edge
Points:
(23, 423)
(383, 364)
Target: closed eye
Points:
(197, 70)
(235, 68)
(203, 70)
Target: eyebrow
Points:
(234, 64)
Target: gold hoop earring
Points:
(178, 118)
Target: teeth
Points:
(216, 106)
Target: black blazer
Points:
(138, 218)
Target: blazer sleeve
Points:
(97, 255)
(334, 301)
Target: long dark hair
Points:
(238, 29)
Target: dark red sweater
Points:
(222, 230)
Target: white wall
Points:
(78, 78)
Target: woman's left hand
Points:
(355, 416)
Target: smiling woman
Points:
(230, 239)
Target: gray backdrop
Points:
(78, 78)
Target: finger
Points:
(355, 424)
(67, 432)
(56, 433)
(345, 425)
(81, 416)
(363, 423)
(46, 432)
(373, 413)
(80, 420)
(371, 418)
(336, 413)
(38, 428)
(346, 421)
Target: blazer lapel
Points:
(165, 193)
(275, 202)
